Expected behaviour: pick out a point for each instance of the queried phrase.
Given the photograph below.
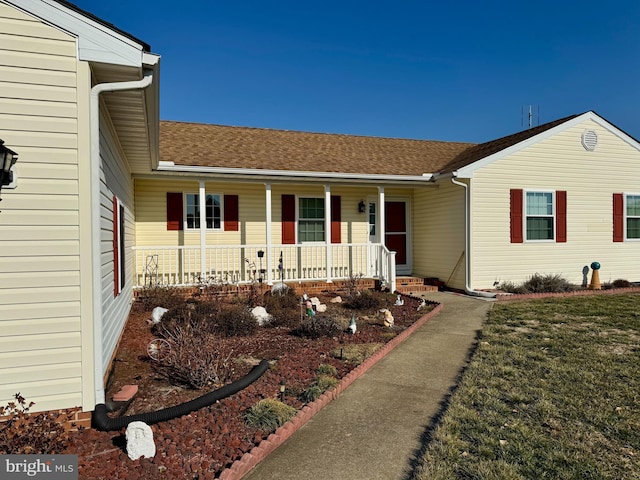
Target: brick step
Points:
(409, 281)
(416, 288)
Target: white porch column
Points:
(327, 228)
(381, 225)
(202, 200)
(267, 204)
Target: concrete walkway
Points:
(375, 429)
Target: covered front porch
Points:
(230, 264)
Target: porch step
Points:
(414, 284)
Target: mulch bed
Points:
(205, 442)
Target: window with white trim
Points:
(213, 209)
(311, 224)
(539, 216)
(632, 214)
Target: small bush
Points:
(621, 283)
(159, 296)
(269, 414)
(193, 361)
(24, 433)
(537, 283)
(316, 327)
(284, 308)
(321, 385)
(327, 369)
(364, 300)
(235, 321)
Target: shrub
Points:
(284, 308)
(621, 283)
(364, 300)
(193, 361)
(321, 385)
(316, 327)
(537, 283)
(326, 369)
(269, 414)
(24, 433)
(235, 321)
(159, 296)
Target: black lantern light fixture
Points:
(7, 159)
(361, 206)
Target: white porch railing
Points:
(181, 266)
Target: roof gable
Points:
(466, 163)
(98, 41)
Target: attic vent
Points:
(589, 140)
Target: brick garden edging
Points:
(575, 293)
(249, 460)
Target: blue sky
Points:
(458, 71)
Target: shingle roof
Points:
(257, 148)
(205, 145)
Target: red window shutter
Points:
(288, 219)
(231, 223)
(516, 216)
(174, 211)
(336, 219)
(561, 216)
(618, 217)
(115, 224)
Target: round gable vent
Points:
(589, 140)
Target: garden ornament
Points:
(399, 301)
(352, 325)
(310, 311)
(388, 319)
(595, 277)
(140, 441)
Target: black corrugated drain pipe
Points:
(102, 422)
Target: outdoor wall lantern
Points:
(8, 158)
(361, 206)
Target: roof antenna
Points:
(531, 115)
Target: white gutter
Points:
(170, 167)
(95, 217)
(467, 241)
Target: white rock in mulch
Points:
(321, 308)
(337, 299)
(261, 315)
(157, 314)
(315, 301)
(140, 441)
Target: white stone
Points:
(321, 308)
(315, 301)
(337, 299)
(140, 441)
(157, 314)
(261, 315)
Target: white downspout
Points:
(267, 201)
(467, 242)
(202, 205)
(94, 138)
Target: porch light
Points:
(361, 206)
(8, 158)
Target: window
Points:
(213, 211)
(311, 220)
(633, 216)
(540, 218)
(372, 219)
(119, 260)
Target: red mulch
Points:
(205, 442)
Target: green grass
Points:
(553, 391)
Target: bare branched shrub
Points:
(27, 433)
(195, 361)
(159, 296)
(365, 300)
(537, 283)
(235, 321)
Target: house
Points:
(79, 104)
(108, 199)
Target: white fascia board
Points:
(467, 171)
(96, 42)
(287, 174)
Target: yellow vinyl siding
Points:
(438, 233)
(40, 326)
(589, 178)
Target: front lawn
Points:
(553, 391)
